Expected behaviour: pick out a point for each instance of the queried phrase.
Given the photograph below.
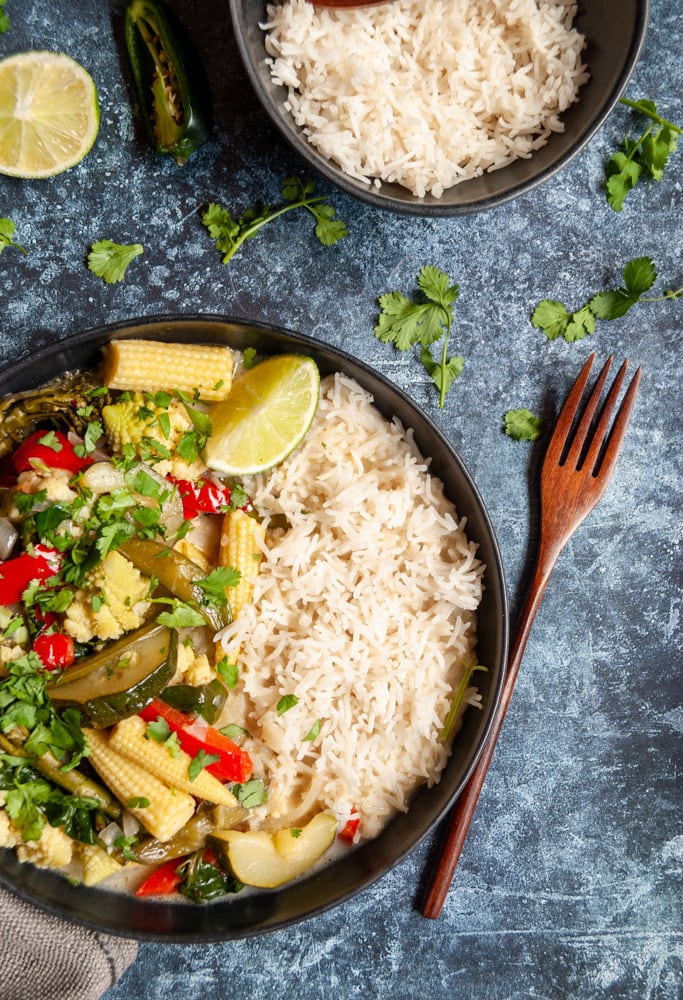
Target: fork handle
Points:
(463, 811)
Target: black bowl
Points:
(614, 30)
(254, 913)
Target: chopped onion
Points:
(8, 537)
(129, 823)
(110, 833)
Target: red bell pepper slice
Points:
(201, 496)
(17, 573)
(162, 881)
(55, 649)
(195, 734)
(48, 448)
(348, 831)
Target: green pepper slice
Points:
(170, 82)
(177, 574)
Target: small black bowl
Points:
(614, 31)
(254, 913)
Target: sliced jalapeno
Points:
(169, 79)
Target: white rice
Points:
(364, 610)
(426, 93)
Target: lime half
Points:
(49, 114)
(265, 417)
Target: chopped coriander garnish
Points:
(214, 586)
(228, 672)
(251, 794)
(314, 731)
(137, 802)
(200, 761)
(286, 702)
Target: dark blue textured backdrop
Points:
(569, 885)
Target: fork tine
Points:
(600, 432)
(603, 464)
(568, 412)
(573, 457)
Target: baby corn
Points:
(240, 548)
(169, 809)
(128, 738)
(148, 366)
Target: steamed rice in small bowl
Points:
(439, 107)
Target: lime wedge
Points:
(265, 417)
(49, 114)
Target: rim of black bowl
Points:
(259, 912)
(473, 196)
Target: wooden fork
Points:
(576, 469)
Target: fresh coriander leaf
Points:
(109, 260)
(286, 702)
(182, 616)
(234, 732)
(552, 317)
(4, 18)
(248, 357)
(444, 372)
(228, 672)
(646, 156)
(295, 832)
(314, 731)
(522, 425)
(229, 235)
(126, 844)
(612, 304)
(137, 802)
(159, 730)
(214, 586)
(639, 276)
(251, 794)
(405, 323)
(580, 323)
(200, 761)
(7, 227)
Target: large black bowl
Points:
(257, 912)
(614, 31)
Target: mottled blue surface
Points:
(570, 882)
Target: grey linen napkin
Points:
(45, 958)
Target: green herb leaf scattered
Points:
(7, 227)
(314, 731)
(4, 18)
(424, 321)
(639, 275)
(229, 235)
(214, 586)
(522, 425)
(286, 702)
(251, 794)
(109, 260)
(644, 157)
(200, 761)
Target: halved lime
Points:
(265, 417)
(49, 114)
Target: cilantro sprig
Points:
(7, 227)
(109, 260)
(423, 321)
(644, 157)
(639, 275)
(229, 234)
(5, 23)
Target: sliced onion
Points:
(8, 537)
